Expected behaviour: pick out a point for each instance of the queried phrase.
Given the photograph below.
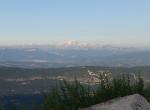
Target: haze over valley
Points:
(71, 54)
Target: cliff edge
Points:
(132, 102)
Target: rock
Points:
(132, 102)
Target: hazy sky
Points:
(120, 22)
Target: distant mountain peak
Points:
(70, 43)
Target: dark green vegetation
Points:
(71, 95)
(28, 81)
(74, 95)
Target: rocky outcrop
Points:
(132, 102)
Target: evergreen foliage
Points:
(74, 95)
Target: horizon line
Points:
(94, 45)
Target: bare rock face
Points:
(132, 102)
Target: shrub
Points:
(68, 96)
(74, 95)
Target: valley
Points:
(36, 81)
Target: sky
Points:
(114, 22)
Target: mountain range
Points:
(72, 53)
